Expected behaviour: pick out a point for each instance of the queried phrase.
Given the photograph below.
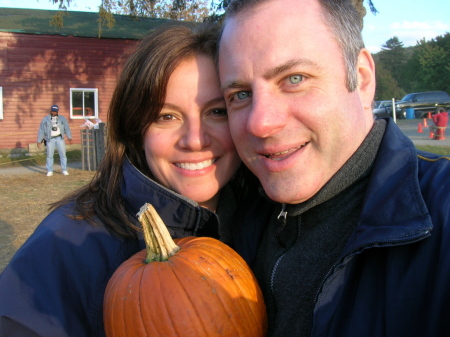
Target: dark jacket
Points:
(393, 276)
(54, 284)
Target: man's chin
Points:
(282, 195)
(289, 191)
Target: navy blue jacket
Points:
(393, 276)
(54, 284)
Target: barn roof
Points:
(80, 24)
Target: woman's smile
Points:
(196, 166)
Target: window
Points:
(1, 103)
(442, 96)
(422, 97)
(83, 103)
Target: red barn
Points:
(42, 65)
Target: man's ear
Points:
(366, 78)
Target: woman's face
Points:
(189, 148)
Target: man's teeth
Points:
(196, 166)
(283, 152)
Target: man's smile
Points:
(282, 155)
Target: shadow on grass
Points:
(35, 163)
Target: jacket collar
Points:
(174, 209)
(394, 210)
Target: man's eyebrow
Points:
(234, 85)
(274, 72)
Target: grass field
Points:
(443, 150)
(24, 202)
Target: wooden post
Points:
(93, 146)
(99, 138)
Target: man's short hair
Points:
(342, 18)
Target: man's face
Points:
(291, 116)
(54, 113)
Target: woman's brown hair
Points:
(136, 103)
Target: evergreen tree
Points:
(392, 57)
(429, 66)
(387, 86)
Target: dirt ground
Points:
(24, 200)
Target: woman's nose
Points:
(195, 136)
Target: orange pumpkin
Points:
(201, 287)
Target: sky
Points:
(409, 20)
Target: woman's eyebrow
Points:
(216, 100)
(171, 106)
(213, 101)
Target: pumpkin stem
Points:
(160, 245)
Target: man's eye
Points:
(241, 95)
(295, 79)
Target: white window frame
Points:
(1, 102)
(95, 112)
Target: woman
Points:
(169, 145)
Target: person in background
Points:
(440, 120)
(168, 145)
(359, 242)
(51, 132)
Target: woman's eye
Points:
(219, 112)
(166, 117)
(295, 79)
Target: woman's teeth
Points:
(196, 166)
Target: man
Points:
(358, 244)
(440, 121)
(52, 130)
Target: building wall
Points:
(37, 71)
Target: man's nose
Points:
(267, 116)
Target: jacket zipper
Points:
(197, 222)
(358, 249)
(283, 214)
(282, 217)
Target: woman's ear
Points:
(366, 78)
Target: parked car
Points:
(422, 103)
(382, 109)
